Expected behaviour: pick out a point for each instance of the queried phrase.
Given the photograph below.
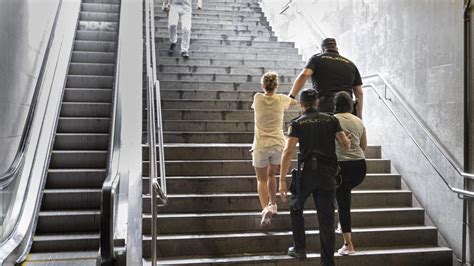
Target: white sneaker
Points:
(266, 218)
(345, 250)
(273, 208)
(338, 228)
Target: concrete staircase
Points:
(213, 213)
(68, 226)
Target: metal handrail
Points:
(7, 177)
(385, 100)
(157, 190)
(109, 187)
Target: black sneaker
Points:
(185, 55)
(172, 46)
(297, 254)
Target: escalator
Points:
(68, 224)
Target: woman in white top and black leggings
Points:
(352, 163)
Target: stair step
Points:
(206, 104)
(234, 115)
(248, 183)
(75, 178)
(72, 242)
(230, 2)
(102, 1)
(51, 222)
(236, 55)
(89, 35)
(99, 16)
(239, 243)
(82, 109)
(95, 46)
(163, 25)
(214, 19)
(83, 258)
(226, 63)
(88, 95)
(219, 15)
(224, 37)
(219, 77)
(239, 167)
(93, 57)
(414, 255)
(78, 159)
(238, 70)
(90, 81)
(241, 202)
(92, 69)
(234, 222)
(217, 85)
(207, 137)
(209, 126)
(83, 125)
(100, 7)
(225, 8)
(230, 42)
(224, 151)
(71, 199)
(260, 32)
(82, 141)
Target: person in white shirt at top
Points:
(268, 142)
(180, 9)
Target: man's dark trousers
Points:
(324, 202)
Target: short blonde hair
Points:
(269, 81)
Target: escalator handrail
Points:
(8, 176)
(110, 185)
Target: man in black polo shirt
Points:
(315, 132)
(331, 73)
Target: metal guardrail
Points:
(110, 185)
(461, 192)
(154, 126)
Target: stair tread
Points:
(72, 190)
(99, 12)
(68, 236)
(311, 255)
(59, 170)
(253, 176)
(250, 194)
(82, 134)
(69, 213)
(79, 151)
(284, 233)
(258, 213)
(235, 160)
(41, 256)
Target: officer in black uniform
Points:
(315, 132)
(331, 73)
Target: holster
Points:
(321, 166)
(295, 185)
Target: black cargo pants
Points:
(324, 197)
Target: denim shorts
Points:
(262, 157)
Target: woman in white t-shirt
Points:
(352, 163)
(268, 142)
